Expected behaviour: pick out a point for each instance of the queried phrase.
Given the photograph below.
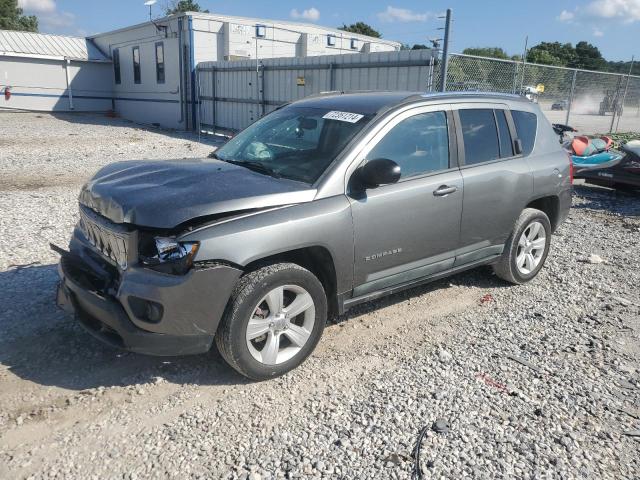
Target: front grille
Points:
(113, 241)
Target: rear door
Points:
(497, 181)
(410, 229)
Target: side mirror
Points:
(517, 146)
(380, 171)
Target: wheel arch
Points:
(550, 205)
(317, 259)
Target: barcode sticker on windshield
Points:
(343, 116)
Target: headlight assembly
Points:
(171, 256)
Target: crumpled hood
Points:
(164, 194)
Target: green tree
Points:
(552, 53)
(623, 67)
(492, 52)
(184, 6)
(361, 28)
(416, 46)
(11, 17)
(588, 57)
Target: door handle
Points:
(444, 190)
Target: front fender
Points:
(324, 223)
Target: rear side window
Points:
(506, 145)
(526, 127)
(419, 144)
(480, 135)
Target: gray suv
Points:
(323, 204)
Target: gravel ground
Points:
(539, 381)
(42, 150)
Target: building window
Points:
(160, 62)
(261, 31)
(136, 65)
(116, 66)
(354, 44)
(331, 40)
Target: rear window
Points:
(526, 127)
(480, 135)
(506, 145)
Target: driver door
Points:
(410, 229)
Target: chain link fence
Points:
(232, 94)
(592, 102)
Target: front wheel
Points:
(273, 322)
(526, 249)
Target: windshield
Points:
(297, 143)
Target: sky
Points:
(612, 25)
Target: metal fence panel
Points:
(232, 94)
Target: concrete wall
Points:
(41, 84)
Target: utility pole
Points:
(626, 89)
(150, 4)
(445, 53)
(524, 62)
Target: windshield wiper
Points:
(256, 167)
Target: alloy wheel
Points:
(281, 324)
(531, 246)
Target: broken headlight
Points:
(171, 256)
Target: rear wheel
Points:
(274, 320)
(526, 249)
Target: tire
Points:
(510, 267)
(256, 297)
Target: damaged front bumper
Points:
(141, 310)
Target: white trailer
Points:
(155, 62)
(53, 73)
(147, 72)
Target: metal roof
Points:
(54, 47)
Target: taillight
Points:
(570, 168)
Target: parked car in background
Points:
(561, 105)
(321, 205)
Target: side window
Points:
(480, 135)
(526, 127)
(116, 66)
(136, 65)
(506, 144)
(160, 62)
(419, 144)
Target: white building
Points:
(152, 76)
(53, 73)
